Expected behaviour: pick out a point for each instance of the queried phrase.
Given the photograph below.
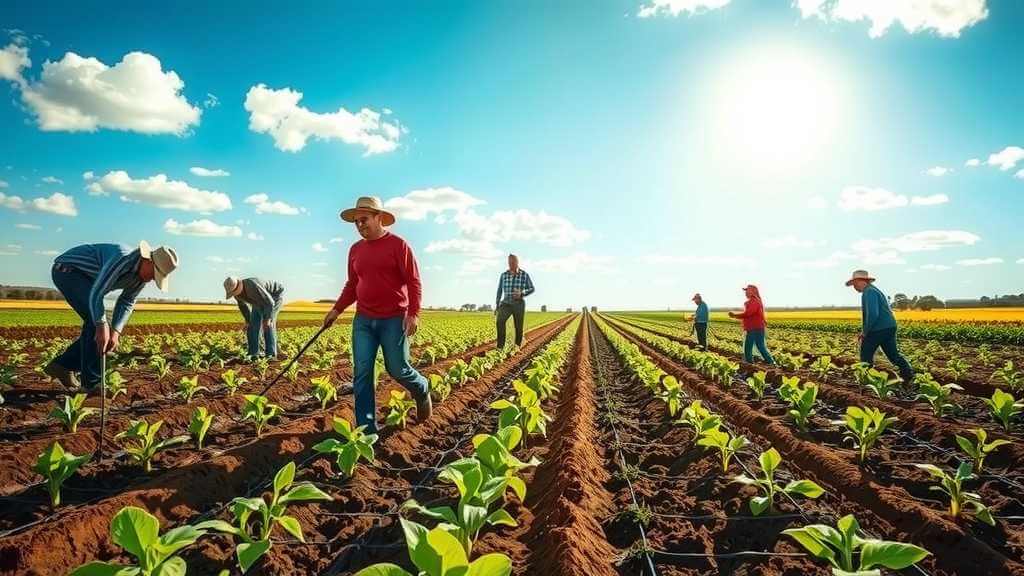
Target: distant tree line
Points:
(29, 293)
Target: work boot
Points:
(424, 407)
(61, 374)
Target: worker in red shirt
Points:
(384, 283)
(754, 324)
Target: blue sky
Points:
(631, 152)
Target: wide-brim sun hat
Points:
(165, 261)
(695, 296)
(859, 275)
(370, 204)
(232, 287)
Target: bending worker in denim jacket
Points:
(879, 325)
(84, 275)
(259, 301)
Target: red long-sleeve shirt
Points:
(383, 279)
(753, 315)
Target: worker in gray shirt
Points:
(259, 301)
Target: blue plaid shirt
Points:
(110, 267)
(510, 282)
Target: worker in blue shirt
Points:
(878, 325)
(700, 321)
(84, 275)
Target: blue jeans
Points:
(387, 334)
(886, 339)
(256, 319)
(756, 338)
(81, 355)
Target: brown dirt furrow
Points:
(953, 547)
(923, 425)
(568, 491)
(179, 495)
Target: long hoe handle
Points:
(103, 403)
(297, 356)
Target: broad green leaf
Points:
(284, 477)
(448, 550)
(97, 568)
(811, 543)
(804, 488)
(219, 526)
(291, 524)
(491, 565)
(329, 445)
(502, 517)
(770, 460)
(895, 555)
(304, 492)
(759, 504)
(135, 530)
(518, 485)
(249, 553)
(382, 570)
(172, 567)
(177, 538)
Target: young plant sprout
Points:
(188, 386)
(980, 448)
(142, 444)
(72, 412)
(323, 390)
(839, 546)
(232, 381)
(436, 552)
(1004, 408)
(726, 444)
(259, 409)
(199, 425)
(56, 466)
(952, 486)
(758, 384)
(863, 426)
(400, 407)
(770, 460)
(355, 445)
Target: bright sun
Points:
(775, 112)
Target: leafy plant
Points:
(137, 532)
(770, 460)
(259, 409)
(726, 444)
(7, 378)
(671, 393)
(160, 366)
(200, 424)
(938, 396)
(232, 381)
(436, 552)
(1013, 379)
(1004, 407)
(699, 418)
(323, 390)
(494, 451)
(400, 407)
(801, 404)
(142, 443)
(758, 383)
(863, 426)
(980, 448)
(790, 361)
(957, 368)
(838, 546)
(188, 386)
(292, 374)
(254, 529)
(822, 366)
(56, 466)
(116, 385)
(72, 413)
(881, 384)
(788, 387)
(260, 366)
(356, 445)
(952, 486)
(440, 387)
(523, 410)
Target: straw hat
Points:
(368, 204)
(232, 287)
(859, 275)
(165, 261)
(695, 296)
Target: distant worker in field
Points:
(700, 321)
(384, 283)
(259, 301)
(84, 275)
(754, 325)
(514, 286)
(878, 325)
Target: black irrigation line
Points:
(802, 513)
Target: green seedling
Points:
(355, 444)
(980, 448)
(801, 404)
(1004, 408)
(699, 418)
(839, 545)
(822, 367)
(758, 384)
(160, 366)
(142, 444)
(952, 486)
(523, 410)
(232, 381)
(938, 396)
(188, 386)
(199, 425)
(323, 390)
(881, 384)
(72, 412)
(765, 484)
(726, 444)
(440, 387)
(436, 552)
(400, 407)
(671, 393)
(116, 385)
(259, 409)
(56, 466)
(864, 425)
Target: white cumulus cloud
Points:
(204, 228)
(52, 180)
(938, 171)
(265, 206)
(862, 198)
(161, 192)
(56, 203)
(476, 248)
(277, 112)
(28, 226)
(420, 204)
(980, 261)
(4, 184)
(572, 264)
(924, 241)
(77, 94)
(1007, 158)
(1019, 175)
(677, 7)
(254, 236)
(319, 247)
(973, 163)
(931, 200)
(13, 59)
(208, 173)
(947, 18)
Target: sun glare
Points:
(775, 112)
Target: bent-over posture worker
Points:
(384, 283)
(84, 275)
(878, 325)
(700, 321)
(259, 301)
(754, 324)
(514, 286)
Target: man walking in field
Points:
(84, 275)
(259, 302)
(700, 321)
(384, 283)
(879, 325)
(514, 286)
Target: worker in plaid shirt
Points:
(513, 287)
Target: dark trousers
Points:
(701, 328)
(886, 340)
(756, 338)
(81, 355)
(388, 336)
(517, 310)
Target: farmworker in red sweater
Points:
(384, 284)
(754, 324)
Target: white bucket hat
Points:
(165, 261)
(368, 204)
(859, 275)
(232, 287)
